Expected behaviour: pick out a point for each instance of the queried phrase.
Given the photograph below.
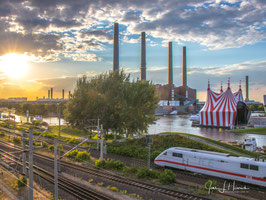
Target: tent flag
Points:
(220, 109)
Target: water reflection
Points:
(179, 123)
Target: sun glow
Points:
(14, 65)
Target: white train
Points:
(216, 164)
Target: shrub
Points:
(37, 122)
(2, 134)
(45, 144)
(51, 147)
(167, 177)
(72, 154)
(48, 135)
(73, 141)
(131, 170)
(100, 164)
(147, 173)
(83, 156)
(21, 181)
(37, 132)
(17, 140)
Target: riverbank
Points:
(261, 130)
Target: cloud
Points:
(56, 28)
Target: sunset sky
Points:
(50, 43)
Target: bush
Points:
(51, 147)
(147, 173)
(21, 182)
(37, 132)
(48, 135)
(17, 140)
(72, 154)
(110, 164)
(37, 122)
(2, 134)
(83, 156)
(131, 170)
(167, 177)
(73, 141)
(45, 144)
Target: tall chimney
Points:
(184, 80)
(143, 57)
(63, 94)
(48, 94)
(116, 49)
(51, 93)
(247, 85)
(170, 65)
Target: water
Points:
(177, 123)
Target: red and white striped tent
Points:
(220, 109)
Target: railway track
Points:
(121, 179)
(76, 190)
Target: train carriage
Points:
(221, 165)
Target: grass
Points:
(68, 131)
(237, 149)
(261, 130)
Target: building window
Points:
(245, 166)
(254, 167)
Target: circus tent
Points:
(224, 109)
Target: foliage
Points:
(167, 177)
(83, 156)
(45, 144)
(48, 135)
(21, 182)
(17, 140)
(122, 106)
(146, 173)
(110, 164)
(136, 147)
(256, 107)
(68, 131)
(130, 170)
(37, 122)
(59, 146)
(2, 134)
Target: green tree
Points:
(260, 108)
(122, 105)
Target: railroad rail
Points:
(75, 189)
(120, 179)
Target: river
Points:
(179, 123)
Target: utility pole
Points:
(98, 127)
(31, 165)
(24, 154)
(101, 153)
(27, 115)
(9, 124)
(149, 155)
(59, 131)
(55, 171)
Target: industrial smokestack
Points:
(51, 93)
(184, 80)
(170, 65)
(143, 57)
(63, 94)
(116, 49)
(247, 85)
(48, 94)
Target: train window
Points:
(254, 167)
(222, 160)
(165, 153)
(245, 166)
(180, 155)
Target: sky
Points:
(50, 43)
